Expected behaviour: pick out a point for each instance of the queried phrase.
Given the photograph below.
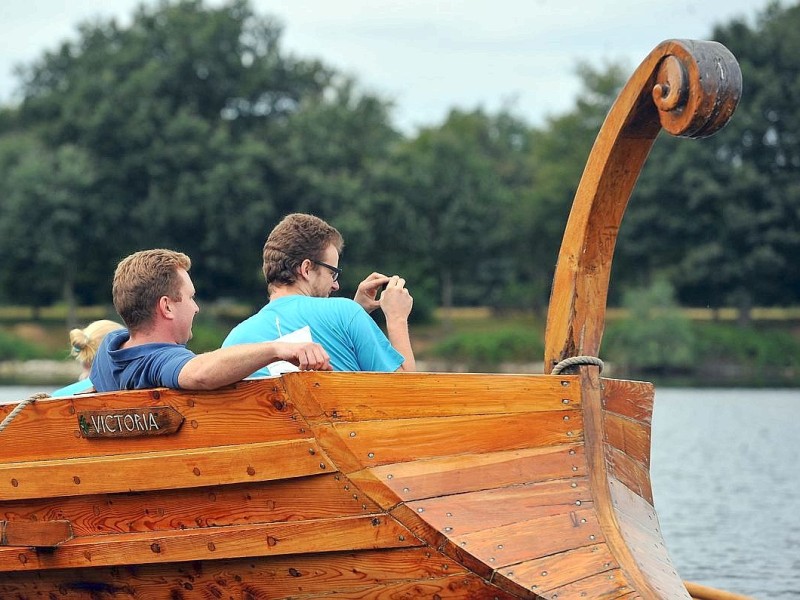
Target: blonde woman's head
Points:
(85, 342)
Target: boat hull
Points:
(372, 485)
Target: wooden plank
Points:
(322, 496)
(250, 412)
(557, 570)
(500, 547)
(630, 472)
(462, 587)
(601, 472)
(602, 586)
(468, 473)
(260, 577)
(632, 399)
(631, 437)
(190, 468)
(39, 534)
(212, 543)
(639, 526)
(392, 441)
(460, 514)
(347, 397)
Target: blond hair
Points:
(141, 279)
(86, 341)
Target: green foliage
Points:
(655, 336)
(192, 128)
(12, 347)
(491, 347)
(765, 351)
(207, 335)
(730, 205)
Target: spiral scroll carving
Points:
(697, 88)
(689, 88)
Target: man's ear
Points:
(305, 268)
(164, 308)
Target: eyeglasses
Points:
(335, 271)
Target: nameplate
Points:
(129, 422)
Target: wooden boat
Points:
(377, 486)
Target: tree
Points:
(445, 204)
(47, 237)
(721, 217)
(191, 120)
(559, 154)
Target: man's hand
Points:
(396, 301)
(367, 292)
(309, 356)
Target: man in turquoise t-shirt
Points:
(301, 258)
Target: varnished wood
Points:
(296, 499)
(38, 534)
(378, 485)
(321, 535)
(250, 412)
(162, 470)
(690, 89)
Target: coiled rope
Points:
(20, 407)
(576, 360)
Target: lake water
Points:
(726, 481)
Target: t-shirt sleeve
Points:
(373, 349)
(164, 367)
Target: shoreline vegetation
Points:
(668, 345)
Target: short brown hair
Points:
(141, 279)
(297, 237)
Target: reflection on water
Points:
(726, 481)
(725, 467)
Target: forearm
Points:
(400, 338)
(225, 366)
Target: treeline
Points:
(193, 129)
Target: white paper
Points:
(301, 335)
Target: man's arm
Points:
(396, 303)
(211, 370)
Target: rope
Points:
(576, 360)
(10, 417)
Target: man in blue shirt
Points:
(301, 258)
(154, 295)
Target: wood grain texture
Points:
(471, 472)
(307, 498)
(162, 470)
(322, 535)
(558, 570)
(393, 441)
(344, 398)
(628, 436)
(39, 534)
(248, 412)
(632, 399)
(648, 583)
(260, 577)
(691, 89)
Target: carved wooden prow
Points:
(689, 88)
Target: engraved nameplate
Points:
(129, 422)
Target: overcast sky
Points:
(427, 55)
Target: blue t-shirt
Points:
(139, 367)
(340, 325)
